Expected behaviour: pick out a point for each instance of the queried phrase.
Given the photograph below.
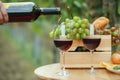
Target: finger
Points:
(1, 18)
(4, 13)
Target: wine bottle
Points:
(27, 11)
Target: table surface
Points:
(48, 72)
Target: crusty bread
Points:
(100, 23)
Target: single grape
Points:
(51, 34)
(88, 25)
(80, 30)
(76, 18)
(74, 31)
(87, 31)
(83, 35)
(76, 25)
(56, 34)
(58, 31)
(68, 36)
(67, 20)
(113, 29)
(117, 41)
(77, 36)
(68, 30)
(114, 33)
(71, 26)
(113, 38)
(79, 22)
(84, 21)
(83, 26)
(72, 22)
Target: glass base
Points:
(92, 71)
(64, 73)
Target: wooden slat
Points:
(85, 60)
(105, 44)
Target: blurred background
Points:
(26, 46)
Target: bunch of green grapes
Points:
(75, 28)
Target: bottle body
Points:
(27, 11)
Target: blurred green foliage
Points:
(32, 40)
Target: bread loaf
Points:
(100, 23)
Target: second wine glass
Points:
(91, 43)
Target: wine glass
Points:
(91, 43)
(63, 44)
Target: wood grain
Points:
(48, 72)
(84, 59)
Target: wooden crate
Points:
(84, 59)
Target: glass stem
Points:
(92, 66)
(63, 65)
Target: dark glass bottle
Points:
(27, 11)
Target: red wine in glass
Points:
(63, 44)
(91, 43)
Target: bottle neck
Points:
(50, 11)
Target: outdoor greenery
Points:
(29, 44)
